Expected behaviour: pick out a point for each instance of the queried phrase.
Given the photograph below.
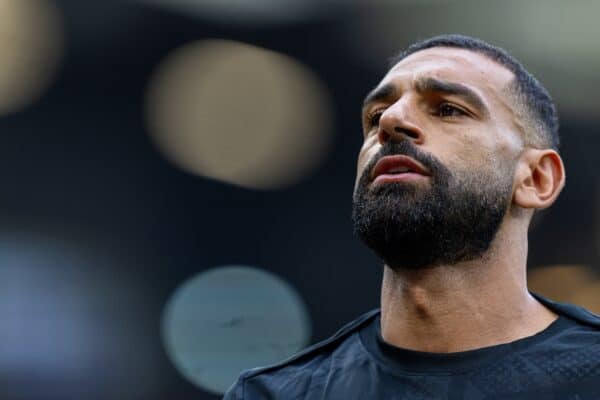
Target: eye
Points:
(374, 116)
(449, 110)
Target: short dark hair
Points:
(529, 92)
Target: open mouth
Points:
(398, 168)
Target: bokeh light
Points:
(566, 283)
(229, 319)
(67, 323)
(121, 136)
(239, 114)
(588, 297)
(251, 12)
(31, 34)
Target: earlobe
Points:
(540, 177)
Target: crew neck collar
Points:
(411, 361)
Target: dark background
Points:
(99, 229)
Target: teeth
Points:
(398, 170)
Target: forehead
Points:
(468, 67)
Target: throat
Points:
(427, 313)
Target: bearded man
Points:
(460, 149)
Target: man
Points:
(460, 149)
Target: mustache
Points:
(406, 148)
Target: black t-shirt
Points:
(560, 362)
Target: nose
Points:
(399, 122)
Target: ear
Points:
(540, 176)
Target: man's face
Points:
(435, 172)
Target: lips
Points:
(397, 167)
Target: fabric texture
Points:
(560, 362)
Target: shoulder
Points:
(577, 313)
(301, 366)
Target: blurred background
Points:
(177, 178)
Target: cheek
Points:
(502, 153)
(455, 151)
(510, 146)
(483, 147)
(468, 151)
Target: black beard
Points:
(451, 218)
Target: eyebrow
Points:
(384, 92)
(434, 85)
(431, 85)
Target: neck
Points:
(466, 306)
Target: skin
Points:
(484, 302)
